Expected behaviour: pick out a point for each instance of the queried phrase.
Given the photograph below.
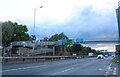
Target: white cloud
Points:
(54, 11)
(108, 47)
(59, 11)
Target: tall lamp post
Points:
(34, 36)
(34, 18)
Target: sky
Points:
(87, 19)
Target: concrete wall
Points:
(118, 19)
(0, 46)
(118, 49)
(0, 33)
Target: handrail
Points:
(35, 58)
(38, 57)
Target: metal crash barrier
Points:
(35, 59)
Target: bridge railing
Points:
(34, 58)
(37, 51)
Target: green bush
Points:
(116, 59)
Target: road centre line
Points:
(62, 71)
(22, 68)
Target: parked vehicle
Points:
(90, 54)
(106, 55)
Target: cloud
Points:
(87, 23)
(87, 19)
(108, 47)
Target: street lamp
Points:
(34, 27)
(34, 18)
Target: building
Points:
(0, 38)
(118, 20)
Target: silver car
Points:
(100, 57)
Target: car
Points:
(100, 57)
(106, 55)
(113, 55)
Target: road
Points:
(87, 66)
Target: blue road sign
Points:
(33, 37)
(78, 41)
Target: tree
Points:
(93, 51)
(62, 36)
(57, 37)
(7, 32)
(13, 32)
(20, 33)
(88, 50)
(78, 48)
(54, 38)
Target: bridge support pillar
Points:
(53, 50)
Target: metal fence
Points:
(35, 59)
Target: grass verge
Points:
(116, 59)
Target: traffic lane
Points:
(93, 67)
(49, 68)
(65, 67)
(15, 66)
(44, 66)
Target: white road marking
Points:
(110, 64)
(100, 69)
(22, 68)
(114, 71)
(108, 69)
(62, 71)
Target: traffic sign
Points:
(78, 41)
(67, 42)
(33, 37)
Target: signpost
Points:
(78, 41)
(67, 42)
(33, 37)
